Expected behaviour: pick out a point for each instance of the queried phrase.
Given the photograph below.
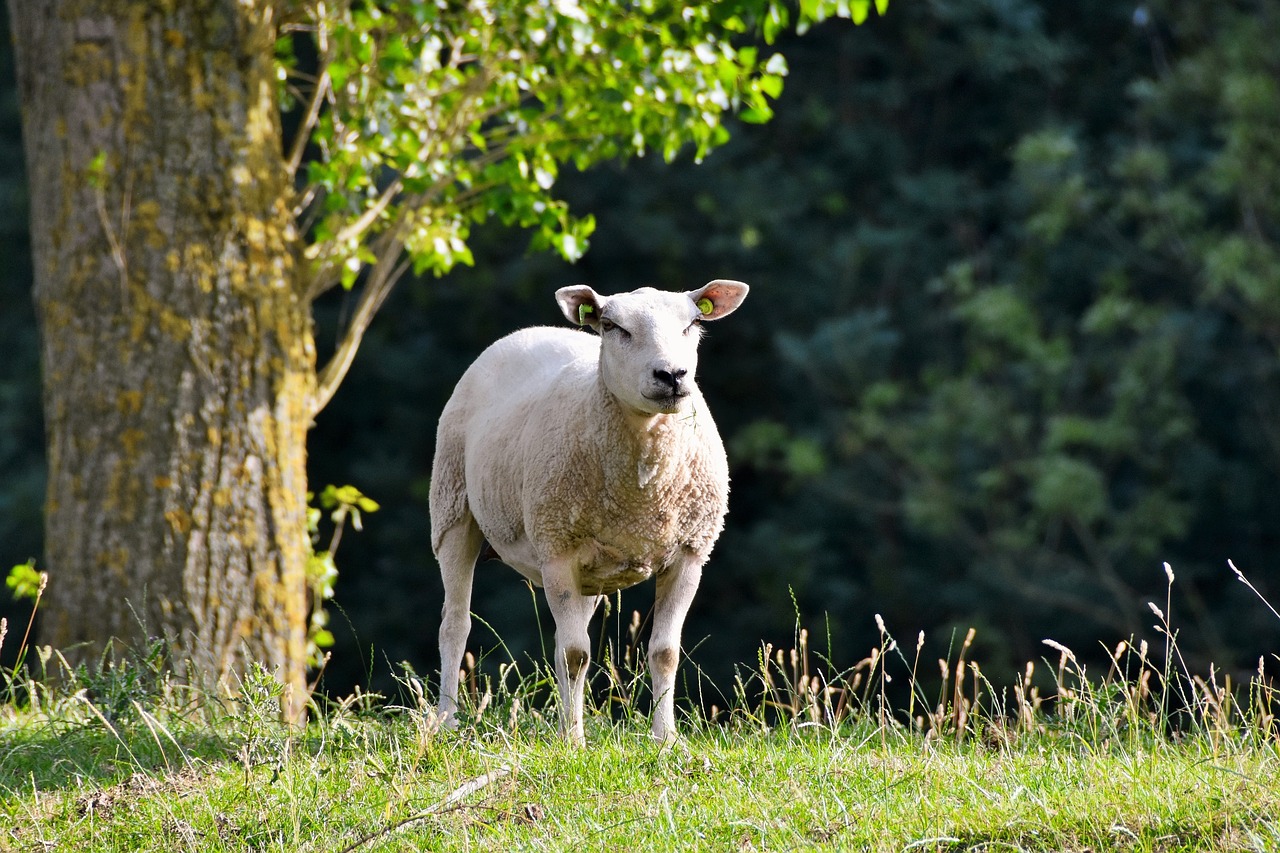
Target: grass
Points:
(390, 782)
(1143, 757)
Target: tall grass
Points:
(800, 752)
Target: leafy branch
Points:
(422, 120)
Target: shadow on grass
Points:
(56, 754)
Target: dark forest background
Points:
(1011, 344)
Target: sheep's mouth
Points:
(668, 402)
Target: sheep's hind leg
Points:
(676, 588)
(457, 552)
(572, 612)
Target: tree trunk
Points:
(177, 347)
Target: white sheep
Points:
(589, 464)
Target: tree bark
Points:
(176, 340)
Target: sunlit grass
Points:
(801, 755)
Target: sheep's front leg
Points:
(676, 588)
(572, 612)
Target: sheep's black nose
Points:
(671, 378)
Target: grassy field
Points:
(1145, 756)
(394, 785)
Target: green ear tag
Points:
(705, 306)
(583, 310)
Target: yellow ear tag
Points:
(705, 306)
(583, 311)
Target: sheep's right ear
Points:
(715, 299)
(581, 305)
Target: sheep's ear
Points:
(581, 305)
(718, 298)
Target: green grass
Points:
(1098, 773)
(1144, 757)
(391, 782)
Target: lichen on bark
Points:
(177, 349)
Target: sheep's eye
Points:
(610, 326)
(693, 328)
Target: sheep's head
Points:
(649, 338)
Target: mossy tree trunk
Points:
(177, 344)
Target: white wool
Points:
(589, 463)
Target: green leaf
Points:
(569, 247)
(339, 72)
(96, 171)
(25, 581)
(346, 496)
(775, 21)
(756, 115)
(350, 271)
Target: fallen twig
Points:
(449, 803)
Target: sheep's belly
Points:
(605, 577)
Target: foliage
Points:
(1057, 422)
(25, 582)
(1009, 344)
(409, 122)
(419, 120)
(342, 503)
(474, 109)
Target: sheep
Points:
(589, 463)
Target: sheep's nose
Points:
(671, 378)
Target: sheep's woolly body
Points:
(552, 465)
(590, 464)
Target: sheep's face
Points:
(649, 349)
(649, 339)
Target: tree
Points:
(181, 236)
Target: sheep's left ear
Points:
(581, 305)
(718, 298)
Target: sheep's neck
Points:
(644, 433)
(642, 423)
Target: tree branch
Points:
(362, 224)
(383, 276)
(316, 103)
(308, 122)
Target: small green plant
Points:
(342, 503)
(26, 583)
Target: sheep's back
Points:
(521, 365)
